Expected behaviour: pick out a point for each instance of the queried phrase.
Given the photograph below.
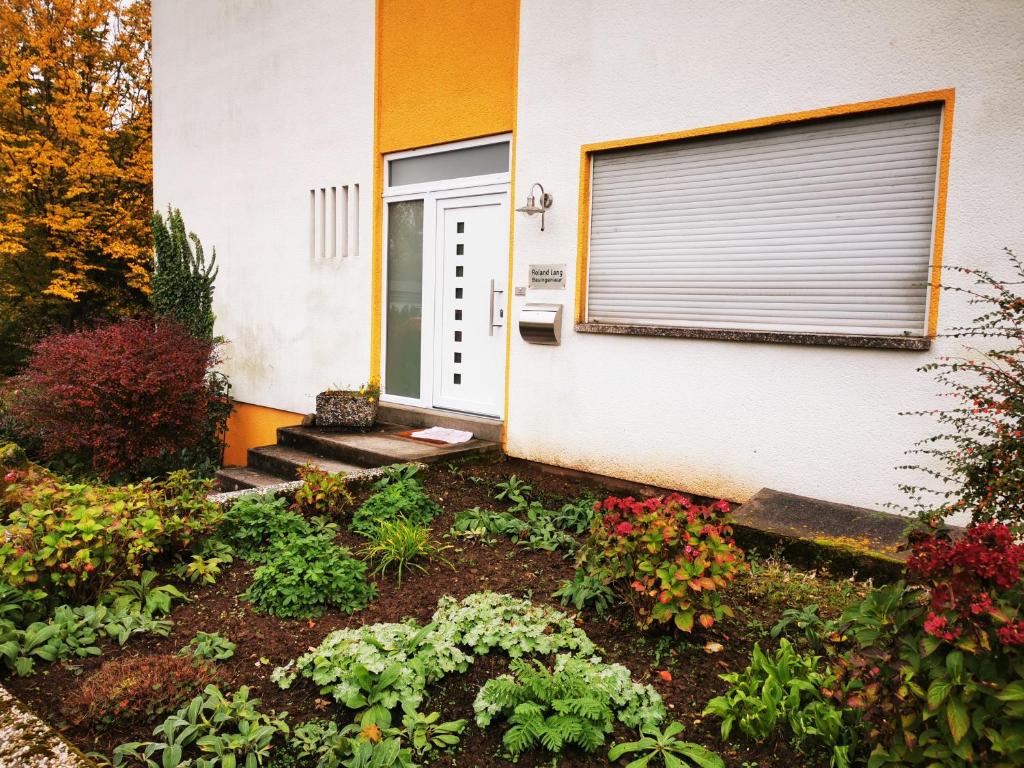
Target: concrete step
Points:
(243, 478)
(375, 449)
(482, 427)
(285, 461)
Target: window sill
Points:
(912, 343)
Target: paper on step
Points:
(444, 435)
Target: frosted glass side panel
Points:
(405, 298)
(454, 164)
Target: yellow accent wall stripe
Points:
(250, 426)
(509, 328)
(945, 97)
(444, 71)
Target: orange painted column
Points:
(445, 71)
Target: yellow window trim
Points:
(944, 97)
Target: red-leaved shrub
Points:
(143, 689)
(117, 395)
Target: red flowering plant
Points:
(974, 585)
(667, 557)
(936, 667)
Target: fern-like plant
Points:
(182, 279)
(575, 703)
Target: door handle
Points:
(501, 312)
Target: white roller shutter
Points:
(817, 227)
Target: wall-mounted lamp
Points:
(533, 206)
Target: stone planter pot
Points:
(345, 409)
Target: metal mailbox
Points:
(541, 323)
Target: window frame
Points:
(944, 98)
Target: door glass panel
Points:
(454, 164)
(405, 298)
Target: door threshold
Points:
(482, 427)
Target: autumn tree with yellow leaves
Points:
(75, 165)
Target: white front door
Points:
(469, 310)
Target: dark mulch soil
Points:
(265, 642)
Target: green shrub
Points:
(787, 692)
(211, 646)
(576, 702)
(74, 540)
(210, 731)
(255, 522)
(399, 543)
(302, 576)
(402, 499)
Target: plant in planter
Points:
(348, 407)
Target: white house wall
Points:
(255, 103)
(727, 418)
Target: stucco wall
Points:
(726, 418)
(256, 103)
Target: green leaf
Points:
(938, 692)
(703, 757)
(957, 718)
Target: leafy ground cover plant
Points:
(397, 661)
(210, 731)
(384, 665)
(786, 692)
(256, 521)
(487, 522)
(143, 596)
(399, 544)
(668, 558)
(74, 540)
(321, 492)
(402, 499)
(663, 746)
(211, 646)
(575, 702)
(117, 397)
(325, 744)
(302, 576)
(136, 688)
(978, 463)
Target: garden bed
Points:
(677, 665)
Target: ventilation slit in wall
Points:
(354, 214)
(312, 224)
(329, 212)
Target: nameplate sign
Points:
(547, 276)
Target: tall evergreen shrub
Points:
(182, 278)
